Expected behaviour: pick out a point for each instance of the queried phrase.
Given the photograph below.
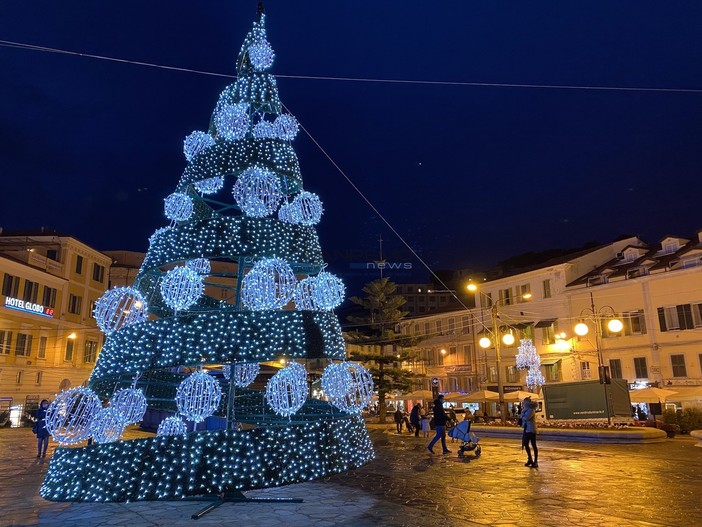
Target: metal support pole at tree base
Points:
(233, 497)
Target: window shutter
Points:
(642, 321)
(661, 319)
(687, 317)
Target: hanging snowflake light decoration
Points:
(181, 288)
(287, 390)
(527, 357)
(232, 120)
(201, 266)
(306, 209)
(261, 55)
(119, 307)
(68, 417)
(131, 403)
(171, 426)
(210, 185)
(107, 426)
(195, 143)
(257, 192)
(286, 127)
(197, 397)
(269, 285)
(327, 291)
(304, 300)
(244, 373)
(179, 206)
(264, 130)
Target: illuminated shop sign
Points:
(28, 307)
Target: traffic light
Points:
(605, 377)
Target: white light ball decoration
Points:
(68, 417)
(131, 403)
(195, 143)
(285, 213)
(157, 233)
(328, 291)
(119, 307)
(179, 206)
(227, 371)
(201, 266)
(304, 300)
(286, 127)
(349, 386)
(287, 390)
(244, 373)
(306, 209)
(108, 425)
(264, 130)
(181, 288)
(261, 55)
(257, 192)
(269, 285)
(210, 185)
(171, 426)
(232, 120)
(198, 396)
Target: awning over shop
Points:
(521, 325)
(548, 361)
(545, 323)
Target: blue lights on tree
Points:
(171, 426)
(286, 127)
(195, 143)
(261, 55)
(181, 288)
(178, 206)
(269, 285)
(232, 120)
(201, 266)
(257, 192)
(306, 209)
(210, 185)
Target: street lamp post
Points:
(615, 326)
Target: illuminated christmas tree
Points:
(241, 225)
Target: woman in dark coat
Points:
(42, 432)
(440, 419)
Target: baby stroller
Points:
(469, 441)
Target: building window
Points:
(697, 315)
(465, 325)
(98, 273)
(505, 296)
(552, 372)
(466, 354)
(74, 304)
(451, 326)
(427, 328)
(23, 347)
(31, 291)
(52, 254)
(492, 374)
(678, 317)
(90, 353)
(5, 342)
(523, 290)
(438, 327)
(547, 288)
(41, 354)
(678, 363)
(640, 368)
(585, 372)
(548, 334)
(18, 378)
(512, 374)
(488, 299)
(49, 298)
(79, 264)
(615, 368)
(634, 323)
(69, 350)
(10, 285)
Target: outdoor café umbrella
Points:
(419, 394)
(483, 396)
(458, 398)
(519, 395)
(650, 395)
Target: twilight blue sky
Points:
(469, 175)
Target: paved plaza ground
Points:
(575, 485)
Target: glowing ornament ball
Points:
(201, 266)
(69, 416)
(286, 127)
(181, 287)
(118, 307)
(303, 294)
(107, 426)
(285, 213)
(210, 185)
(179, 206)
(257, 192)
(195, 143)
(244, 373)
(131, 403)
(287, 390)
(197, 397)
(328, 291)
(269, 285)
(171, 426)
(232, 120)
(264, 130)
(348, 386)
(261, 55)
(306, 209)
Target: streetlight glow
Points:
(508, 339)
(472, 288)
(615, 325)
(485, 342)
(581, 329)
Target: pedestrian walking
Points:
(425, 422)
(528, 418)
(40, 429)
(440, 425)
(398, 420)
(415, 418)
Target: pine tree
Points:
(225, 286)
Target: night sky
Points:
(468, 175)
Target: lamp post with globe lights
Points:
(614, 325)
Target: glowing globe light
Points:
(485, 342)
(107, 426)
(261, 55)
(119, 307)
(68, 417)
(287, 390)
(181, 288)
(131, 403)
(201, 266)
(171, 426)
(232, 120)
(179, 206)
(303, 297)
(264, 130)
(244, 373)
(197, 397)
(157, 233)
(257, 192)
(269, 285)
(581, 329)
(210, 185)
(348, 386)
(195, 143)
(285, 213)
(306, 209)
(615, 325)
(327, 291)
(286, 127)
(508, 339)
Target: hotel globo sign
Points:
(28, 307)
